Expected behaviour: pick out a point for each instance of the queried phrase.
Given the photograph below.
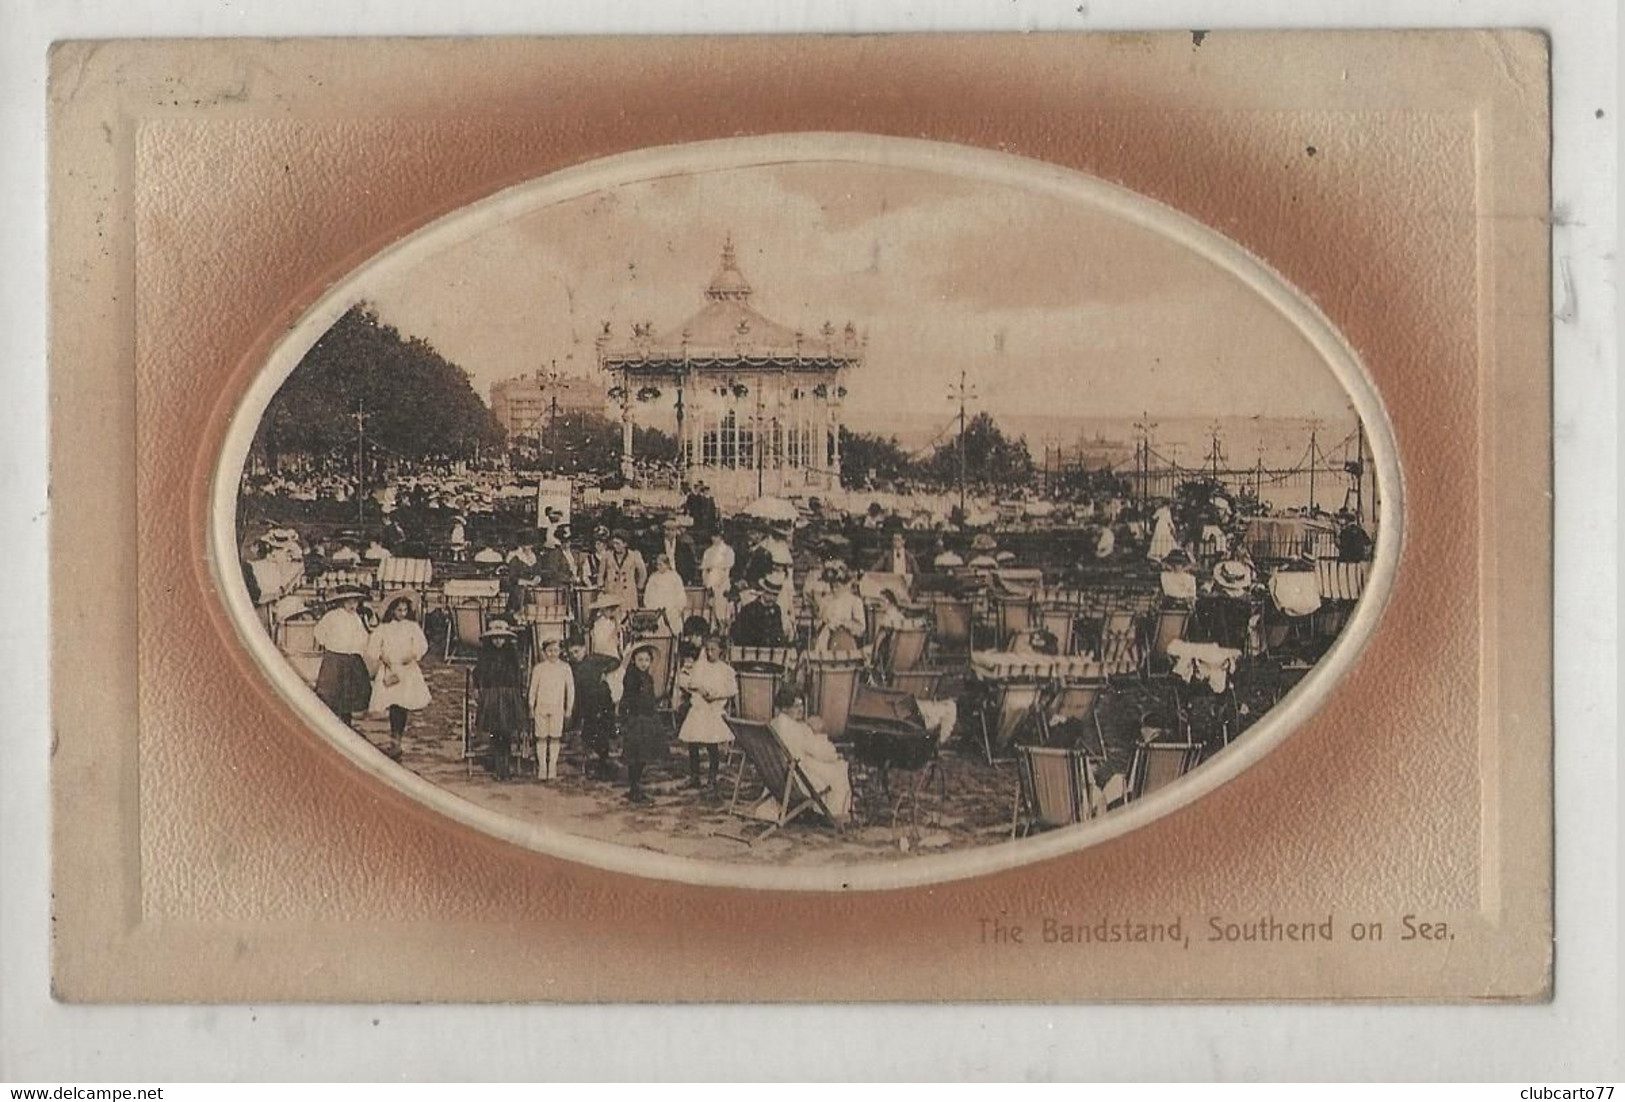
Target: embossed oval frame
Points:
(961, 162)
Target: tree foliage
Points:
(418, 405)
(990, 457)
(866, 457)
(578, 441)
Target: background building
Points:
(522, 405)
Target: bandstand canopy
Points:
(728, 333)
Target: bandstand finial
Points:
(728, 283)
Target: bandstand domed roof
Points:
(727, 328)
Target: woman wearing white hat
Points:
(843, 621)
(716, 571)
(664, 591)
(342, 682)
(398, 688)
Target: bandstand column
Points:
(626, 427)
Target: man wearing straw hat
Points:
(676, 545)
(758, 622)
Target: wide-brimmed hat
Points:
(642, 644)
(672, 522)
(984, 542)
(600, 532)
(983, 562)
(1004, 557)
(1177, 557)
(771, 583)
(607, 601)
(346, 591)
(498, 628)
(1233, 576)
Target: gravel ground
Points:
(962, 801)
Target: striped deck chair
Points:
(1055, 787)
(1017, 694)
(1079, 699)
(1158, 763)
(1121, 647)
(781, 777)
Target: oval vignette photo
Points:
(807, 512)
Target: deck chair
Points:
(758, 687)
(1120, 649)
(920, 684)
(1016, 696)
(663, 665)
(547, 604)
(1078, 700)
(831, 685)
(1056, 787)
(782, 657)
(1060, 620)
(398, 572)
(1159, 763)
(297, 640)
(902, 649)
(1013, 616)
(780, 775)
(1171, 624)
(951, 619)
(545, 629)
(464, 627)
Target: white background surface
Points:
(1575, 1038)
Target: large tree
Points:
(577, 441)
(991, 458)
(417, 404)
(865, 456)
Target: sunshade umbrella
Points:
(772, 508)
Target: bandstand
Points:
(757, 404)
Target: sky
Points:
(1052, 308)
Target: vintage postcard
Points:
(754, 519)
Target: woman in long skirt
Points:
(644, 736)
(342, 682)
(499, 695)
(396, 650)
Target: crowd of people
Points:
(808, 583)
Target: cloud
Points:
(1048, 304)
